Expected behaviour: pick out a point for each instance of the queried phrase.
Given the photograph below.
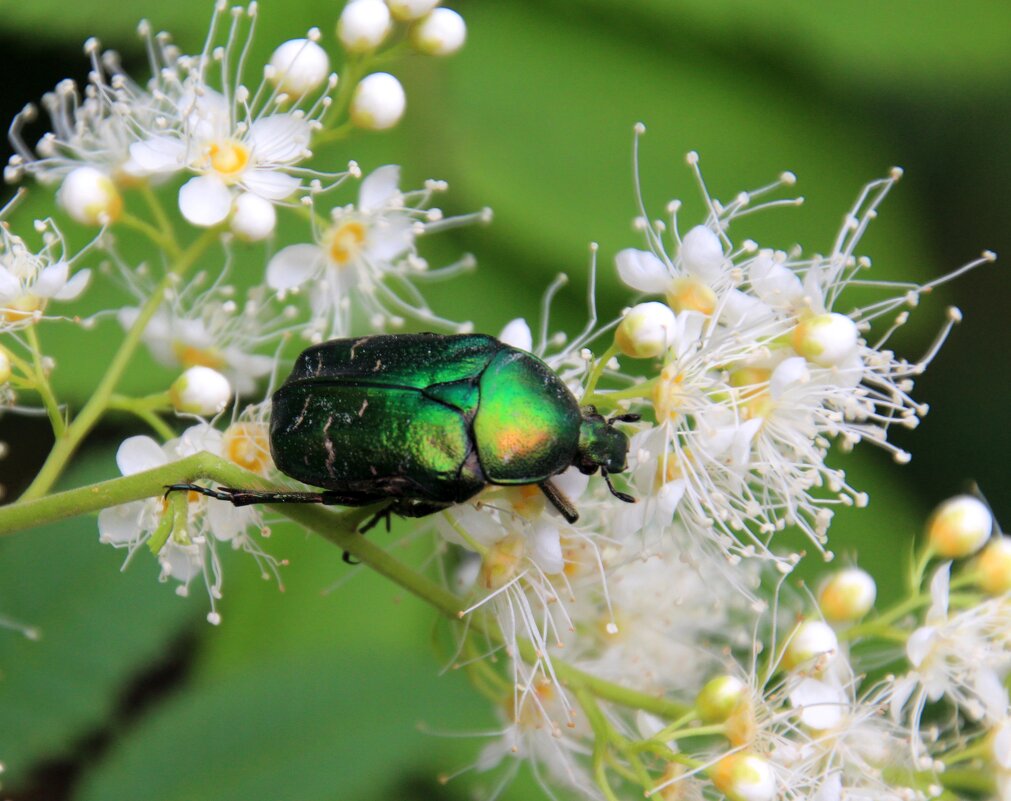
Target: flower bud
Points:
(959, 527)
(299, 66)
(994, 566)
(378, 102)
(810, 640)
(719, 698)
(848, 595)
(743, 776)
(363, 25)
(1000, 745)
(408, 10)
(90, 196)
(701, 253)
(646, 330)
(825, 339)
(200, 390)
(441, 33)
(253, 217)
(5, 366)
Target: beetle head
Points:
(601, 445)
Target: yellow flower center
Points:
(502, 562)
(753, 397)
(22, 308)
(669, 395)
(248, 446)
(229, 158)
(690, 294)
(192, 356)
(345, 242)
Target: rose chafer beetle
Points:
(428, 421)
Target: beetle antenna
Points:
(631, 417)
(621, 496)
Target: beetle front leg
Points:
(246, 497)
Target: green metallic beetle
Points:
(428, 421)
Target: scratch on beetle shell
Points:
(301, 415)
(365, 405)
(331, 457)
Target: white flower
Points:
(378, 102)
(95, 130)
(441, 33)
(766, 372)
(367, 253)
(363, 25)
(30, 280)
(201, 391)
(959, 527)
(299, 66)
(236, 139)
(646, 330)
(963, 657)
(90, 196)
(211, 329)
(186, 548)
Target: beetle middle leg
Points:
(559, 501)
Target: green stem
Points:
(42, 385)
(89, 415)
(597, 372)
(161, 218)
(151, 232)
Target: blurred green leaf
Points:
(919, 45)
(320, 724)
(99, 628)
(543, 133)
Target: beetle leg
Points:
(382, 514)
(621, 496)
(245, 497)
(559, 501)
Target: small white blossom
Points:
(90, 196)
(232, 138)
(959, 527)
(363, 25)
(441, 33)
(378, 102)
(367, 254)
(847, 595)
(299, 66)
(185, 548)
(30, 280)
(200, 391)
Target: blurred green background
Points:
(309, 694)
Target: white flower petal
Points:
(389, 238)
(139, 453)
(821, 704)
(158, 154)
(991, 692)
(517, 334)
(294, 265)
(51, 280)
(75, 286)
(642, 270)
(205, 201)
(120, 525)
(10, 287)
(900, 695)
(788, 372)
(773, 283)
(919, 645)
(939, 586)
(181, 562)
(701, 254)
(379, 188)
(270, 184)
(572, 482)
(279, 139)
(546, 548)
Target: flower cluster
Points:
(627, 609)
